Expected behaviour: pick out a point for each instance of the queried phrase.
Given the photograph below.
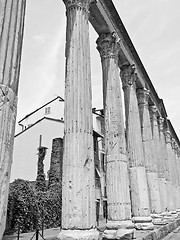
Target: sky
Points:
(153, 26)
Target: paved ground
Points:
(48, 234)
(51, 234)
(175, 235)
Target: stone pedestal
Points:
(79, 234)
(118, 197)
(11, 31)
(78, 182)
(149, 151)
(138, 179)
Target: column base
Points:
(91, 234)
(128, 224)
(119, 234)
(143, 223)
(175, 214)
(169, 216)
(157, 219)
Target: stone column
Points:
(178, 167)
(11, 32)
(157, 148)
(174, 173)
(78, 183)
(177, 174)
(162, 166)
(149, 151)
(117, 179)
(170, 171)
(138, 179)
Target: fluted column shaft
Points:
(158, 154)
(176, 174)
(178, 167)
(162, 164)
(170, 171)
(11, 34)
(149, 153)
(78, 183)
(138, 180)
(118, 197)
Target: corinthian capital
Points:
(173, 143)
(83, 4)
(168, 137)
(107, 45)
(128, 75)
(143, 97)
(153, 112)
(161, 123)
(176, 147)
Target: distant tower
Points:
(55, 171)
(40, 179)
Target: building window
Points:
(47, 110)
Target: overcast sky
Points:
(153, 26)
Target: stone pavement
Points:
(170, 231)
(159, 232)
(175, 235)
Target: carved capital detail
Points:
(161, 123)
(173, 143)
(168, 137)
(153, 112)
(143, 96)
(176, 147)
(108, 46)
(128, 75)
(178, 152)
(83, 4)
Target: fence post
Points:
(18, 236)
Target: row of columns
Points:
(141, 166)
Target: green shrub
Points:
(29, 207)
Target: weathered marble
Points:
(170, 171)
(11, 31)
(162, 166)
(174, 173)
(118, 197)
(157, 148)
(149, 151)
(178, 166)
(78, 182)
(177, 174)
(138, 179)
(55, 171)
